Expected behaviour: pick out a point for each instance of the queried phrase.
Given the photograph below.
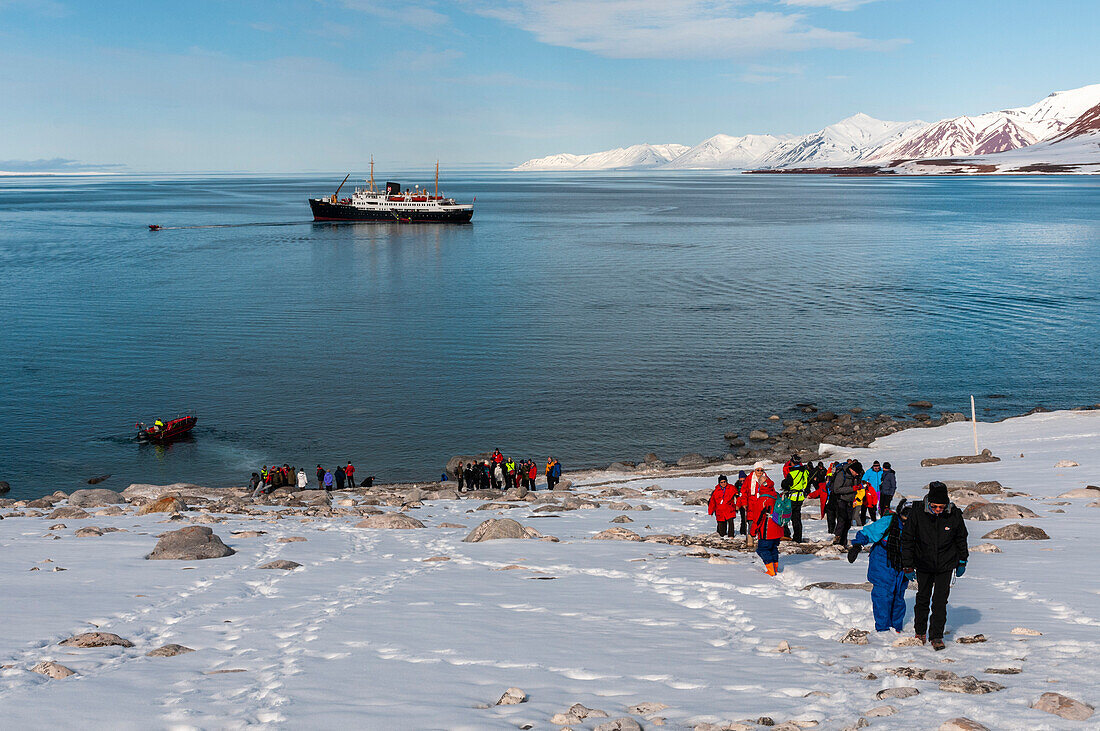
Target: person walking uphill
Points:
(933, 546)
(765, 529)
(756, 484)
(884, 567)
(723, 506)
(797, 485)
(842, 491)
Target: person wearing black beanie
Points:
(933, 547)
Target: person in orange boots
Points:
(755, 483)
(765, 529)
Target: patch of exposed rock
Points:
(281, 563)
(169, 650)
(69, 513)
(970, 684)
(95, 498)
(512, 697)
(166, 504)
(617, 534)
(193, 543)
(997, 511)
(499, 528)
(96, 639)
(1063, 706)
(983, 458)
(390, 520)
(1017, 532)
(52, 670)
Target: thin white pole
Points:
(974, 421)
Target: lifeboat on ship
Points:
(166, 431)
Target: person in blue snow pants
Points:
(888, 581)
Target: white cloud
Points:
(670, 28)
(831, 4)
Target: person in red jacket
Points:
(756, 483)
(350, 472)
(767, 532)
(723, 506)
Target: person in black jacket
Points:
(933, 546)
(887, 489)
(842, 492)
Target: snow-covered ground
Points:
(367, 634)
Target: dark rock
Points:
(5, 488)
(758, 435)
(70, 513)
(973, 639)
(920, 404)
(97, 480)
(193, 543)
(1017, 532)
(984, 457)
(692, 460)
(1004, 671)
(997, 511)
(95, 498)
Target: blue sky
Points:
(301, 85)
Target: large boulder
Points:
(1087, 493)
(95, 498)
(1017, 532)
(496, 528)
(997, 511)
(69, 513)
(692, 460)
(52, 670)
(390, 520)
(96, 639)
(1064, 706)
(166, 504)
(984, 457)
(192, 543)
(181, 489)
(617, 534)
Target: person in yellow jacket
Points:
(553, 472)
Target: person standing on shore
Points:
(887, 489)
(553, 472)
(302, 480)
(509, 473)
(460, 475)
(349, 472)
(340, 477)
(842, 492)
(933, 546)
(532, 474)
(723, 506)
(884, 568)
(755, 485)
(327, 481)
(797, 484)
(255, 484)
(320, 477)
(498, 476)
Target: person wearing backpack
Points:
(766, 529)
(797, 486)
(933, 547)
(756, 484)
(884, 567)
(723, 506)
(842, 492)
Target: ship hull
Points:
(327, 211)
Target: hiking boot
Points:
(937, 644)
(920, 638)
(770, 568)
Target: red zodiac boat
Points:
(167, 431)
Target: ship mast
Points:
(437, 178)
(372, 173)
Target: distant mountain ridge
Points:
(859, 138)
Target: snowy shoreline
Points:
(415, 628)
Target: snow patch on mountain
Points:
(635, 156)
(849, 139)
(725, 152)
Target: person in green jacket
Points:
(797, 485)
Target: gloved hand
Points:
(960, 569)
(910, 574)
(853, 552)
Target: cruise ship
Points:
(392, 205)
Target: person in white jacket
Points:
(303, 481)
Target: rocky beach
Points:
(610, 604)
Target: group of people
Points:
(500, 472)
(272, 478)
(925, 541)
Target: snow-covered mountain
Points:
(724, 152)
(859, 138)
(994, 132)
(849, 139)
(635, 156)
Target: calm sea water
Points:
(593, 317)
